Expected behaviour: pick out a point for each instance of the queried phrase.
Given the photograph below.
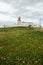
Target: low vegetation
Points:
(21, 46)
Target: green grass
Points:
(21, 46)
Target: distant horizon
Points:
(7, 23)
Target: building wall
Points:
(24, 23)
(18, 22)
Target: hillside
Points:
(21, 46)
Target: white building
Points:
(22, 23)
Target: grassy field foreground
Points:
(21, 46)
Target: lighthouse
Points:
(19, 20)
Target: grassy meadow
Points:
(21, 46)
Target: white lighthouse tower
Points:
(19, 20)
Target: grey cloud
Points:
(21, 6)
(5, 13)
(24, 2)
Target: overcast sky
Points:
(29, 10)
